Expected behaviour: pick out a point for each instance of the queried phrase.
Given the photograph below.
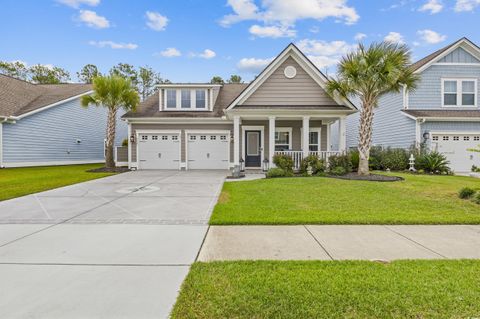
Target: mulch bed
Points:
(109, 170)
(371, 177)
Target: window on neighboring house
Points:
(282, 140)
(459, 92)
(186, 99)
(171, 99)
(200, 99)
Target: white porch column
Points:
(271, 139)
(342, 135)
(306, 134)
(236, 140)
(329, 142)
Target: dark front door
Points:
(252, 149)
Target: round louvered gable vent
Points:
(290, 72)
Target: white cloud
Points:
(253, 65)
(272, 31)
(325, 54)
(207, 54)
(78, 3)
(113, 45)
(156, 21)
(433, 6)
(360, 36)
(169, 53)
(93, 20)
(466, 5)
(394, 37)
(431, 37)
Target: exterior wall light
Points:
(132, 138)
(242, 165)
(266, 165)
(426, 135)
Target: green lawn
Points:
(326, 289)
(420, 199)
(15, 182)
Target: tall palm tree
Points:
(114, 93)
(368, 74)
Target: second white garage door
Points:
(208, 151)
(455, 147)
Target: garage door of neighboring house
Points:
(208, 150)
(159, 150)
(456, 148)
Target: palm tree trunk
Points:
(112, 121)
(365, 137)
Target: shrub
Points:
(433, 162)
(466, 193)
(317, 165)
(476, 198)
(284, 162)
(339, 170)
(275, 172)
(342, 161)
(395, 159)
(125, 142)
(475, 169)
(355, 158)
(375, 159)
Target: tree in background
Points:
(235, 79)
(126, 71)
(147, 80)
(88, 73)
(14, 69)
(43, 74)
(114, 93)
(217, 80)
(370, 73)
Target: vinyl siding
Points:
(51, 135)
(459, 55)
(280, 90)
(428, 94)
(390, 127)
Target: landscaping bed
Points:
(109, 170)
(331, 289)
(371, 177)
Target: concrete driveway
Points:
(118, 247)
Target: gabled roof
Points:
(293, 51)
(150, 107)
(18, 97)
(424, 63)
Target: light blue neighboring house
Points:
(46, 125)
(442, 113)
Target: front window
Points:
(171, 99)
(459, 92)
(314, 142)
(200, 99)
(282, 140)
(186, 99)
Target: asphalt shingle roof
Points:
(444, 113)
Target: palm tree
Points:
(114, 93)
(368, 74)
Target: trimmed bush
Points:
(476, 198)
(475, 169)
(395, 159)
(275, 172)
(466, 193)
(355, 158)
(317, 165)
(284, 162)
(342, 161)
(339, 170)
(434, 163)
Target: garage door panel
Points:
(159, 151)
(208, 151)
(456, 148)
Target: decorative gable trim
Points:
(290, 51)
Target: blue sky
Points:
(193, 40)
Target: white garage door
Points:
(208, 151)
(455, 148)
(159, 151)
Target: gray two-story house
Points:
(442, 113)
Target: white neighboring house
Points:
(46, 125)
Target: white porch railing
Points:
(297, 156)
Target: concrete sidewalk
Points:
(369, 242)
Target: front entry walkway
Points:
(117, 247)
(367, 242)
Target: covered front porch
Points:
(257, 139)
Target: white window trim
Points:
(193, 99)
(313, 129)
(290, 136)
(459, 92)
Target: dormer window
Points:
(459, 92)
(200, 99)
(187, 97)
(171, 99)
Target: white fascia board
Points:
(443, 119)
(52, 105)
(188, 85)
(197, 120)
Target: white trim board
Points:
(262, 141)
